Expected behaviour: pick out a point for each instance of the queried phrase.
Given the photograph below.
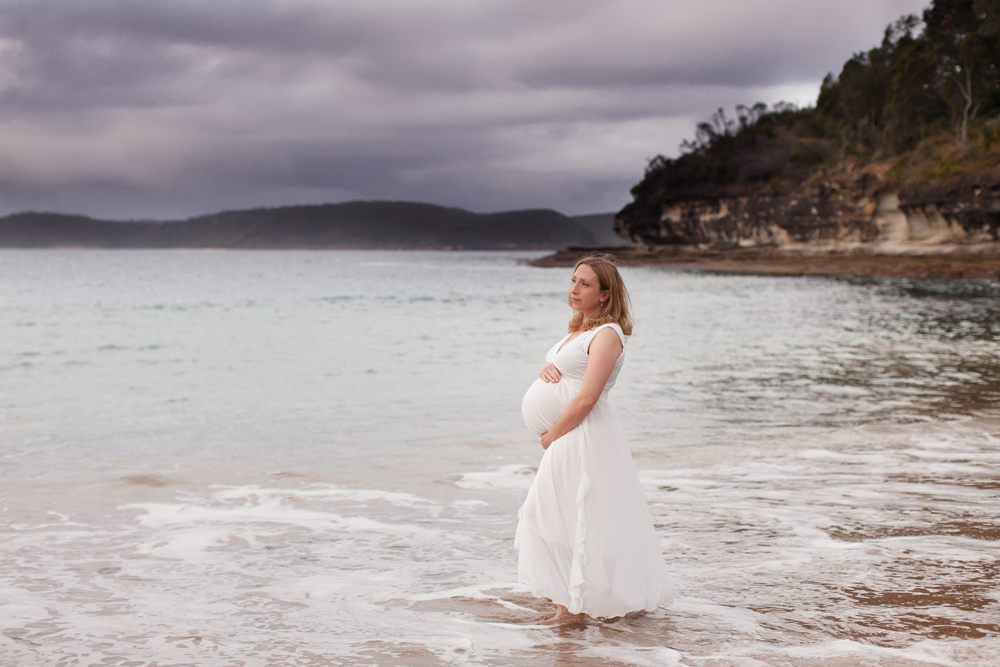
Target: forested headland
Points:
(916, 117)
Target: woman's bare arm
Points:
(604, 351)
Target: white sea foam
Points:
(514, 476)
(656, 656)
(923, 652)
(273, 574)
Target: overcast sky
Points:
(172, 108)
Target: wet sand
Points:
(980, 263)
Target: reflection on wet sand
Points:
(887, 536)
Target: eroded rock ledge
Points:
(853, 226)
(845, 214)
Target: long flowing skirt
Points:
(584, 534)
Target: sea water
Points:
(316, 458)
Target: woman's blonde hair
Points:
(616, 308)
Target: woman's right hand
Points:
(549, 373)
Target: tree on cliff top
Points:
(939, 73)
(889, 98)
(777, 148)
(964, 45)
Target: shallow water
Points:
(297, 458)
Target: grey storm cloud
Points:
(171, 108)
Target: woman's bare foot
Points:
(563, 617)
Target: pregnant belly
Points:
(545, 402)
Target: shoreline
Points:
(975, 263)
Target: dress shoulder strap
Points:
(617, 329)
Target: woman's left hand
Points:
(604, 350)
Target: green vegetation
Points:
(921, 108)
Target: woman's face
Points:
(585, 292)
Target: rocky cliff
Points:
(845, 213)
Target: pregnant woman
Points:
(585, 537)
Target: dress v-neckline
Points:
(569, 340)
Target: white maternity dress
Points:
(584, 534)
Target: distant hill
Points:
(352, 225)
